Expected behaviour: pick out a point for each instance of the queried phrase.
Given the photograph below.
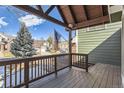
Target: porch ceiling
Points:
(78, 16)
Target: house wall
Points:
(102, 43)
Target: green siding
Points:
(116, 16)
(102, 45)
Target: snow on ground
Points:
(1, 81)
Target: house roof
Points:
(74, 16)
(38, 43)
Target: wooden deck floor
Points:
(99, 76)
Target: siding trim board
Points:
(103, 46)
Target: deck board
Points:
(105, 77)
(90, 77)
(99, 75)
(110, 77)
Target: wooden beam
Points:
(50, 9)
(92, 22)
(86, 14)
(36, 12)
(72, 13)
(68, 14)
(61, 14)
(101, 10)
(40, 8)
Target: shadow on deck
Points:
(99, 76)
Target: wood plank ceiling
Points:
(79, 16)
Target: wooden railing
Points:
(21, 72)
(80, 61)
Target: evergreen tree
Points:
(49, 40)
(22, 44)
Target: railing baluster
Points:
(55, 60)
(41, 67)
(46, 65)
(10, 75)
(20, 72)
(53, 64)
(32, 70)
(50, 64)
(79, 60)
(35, 69)
(72, 59)
(26, 73)
(76, 59)
(38, 68)
(15, 74)
(83, 60)
(86, 63)
(5, 76)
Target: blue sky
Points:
(9, 23)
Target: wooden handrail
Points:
(18, 60)
(35, 68)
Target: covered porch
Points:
(71, 70)
(56, 72)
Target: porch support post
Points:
(70, 48)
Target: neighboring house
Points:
(37, 45)
(5, 42)
(74, 41)
(103, 42)
(41, 46)
(63, 46)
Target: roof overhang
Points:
(74, 16)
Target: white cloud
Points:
(31, 20)
(14, 35)
(2, 22)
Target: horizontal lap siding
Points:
(102, 45)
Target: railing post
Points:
(26, 73)
(55, 66)
(70, 49)
(70, 60)
(86, 63)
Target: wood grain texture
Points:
(99, 75)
